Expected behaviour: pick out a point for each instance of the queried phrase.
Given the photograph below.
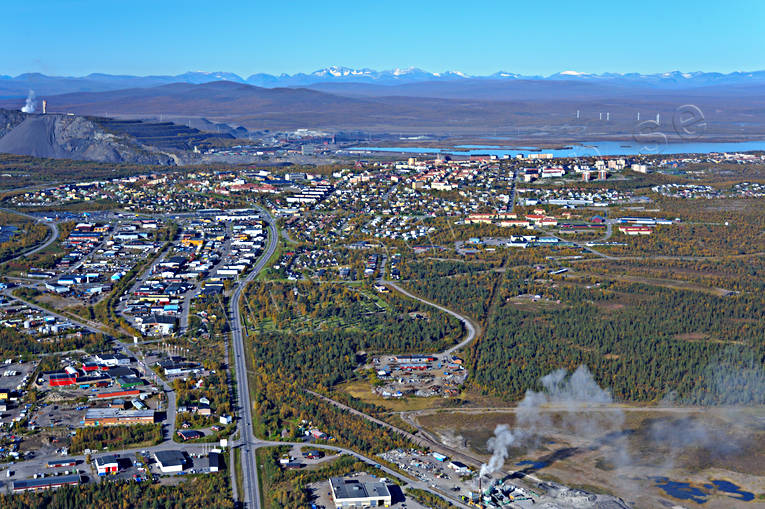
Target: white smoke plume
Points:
(573, 397)
(499, 445)
(30, 105)
(576, 405)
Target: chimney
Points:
(45, 106)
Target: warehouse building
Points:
(46, 483)
(215, 461)
(353, 494)
(106, 465)
(170, 462)
(117, 416)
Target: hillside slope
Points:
(69, 137)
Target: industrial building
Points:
(215, 460)
(106, 465)
(117, 416)
(46, 483)
(636, 230)
(352, 494)
(170, 462)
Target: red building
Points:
(61, 379)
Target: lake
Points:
(596, 148)
(699, 494)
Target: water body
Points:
(6, 232)
(597, 148)
(536, 465)
(732, 489)
(682, 490)
(687, 491)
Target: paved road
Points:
(50, 240)
(384, 424)
(87, 325)
(424, 439)
(469, 326)
(250, 495)
(370, 461)
(251, 490)
(582, 245)
(249, 443)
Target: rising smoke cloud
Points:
(575, 404)
(30, 105)
(572, 396)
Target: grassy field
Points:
(361, 389)
(674, 284)
(469, 398)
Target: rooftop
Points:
(354, 489)
(109, 413)
(170, 458)
(46, 482)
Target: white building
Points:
(354, 494)
(106, 465)
(170, 462)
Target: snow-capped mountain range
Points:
(413, 74)
(20, 85)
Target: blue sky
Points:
(77, 37)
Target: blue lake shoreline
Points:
(589, 149)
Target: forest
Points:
(28, 235)
(316, 331)
(470, 293)
(15, 343)
(643, 342)
(281, 405)
(432, 268)
(305, 335)
(116, 437)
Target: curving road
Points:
(470, 328)
(250, 495)
(369, 461)
(50, 240)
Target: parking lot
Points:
(421, 376)
(51, 415)
(324, 499)
(428, 469)
(15, 375)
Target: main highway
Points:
(250, 495)
(248, 442)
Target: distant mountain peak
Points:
(19, 86)
(338, 71)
